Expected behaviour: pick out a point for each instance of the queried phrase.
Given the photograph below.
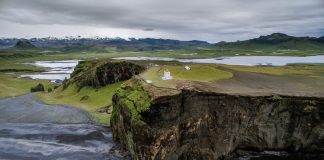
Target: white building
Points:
(167, 75)
(187, 68)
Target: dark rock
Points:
(104, 109)
(207, 125)
(84, 98)
(119, 152)
(271, 155)
(38, 88)
(72, 138)
(58, 81)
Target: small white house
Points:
(167, 75)
(187, 68)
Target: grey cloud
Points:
(211, 20)
(148, 29)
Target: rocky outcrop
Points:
(101, 73)
(38, 88)
(207, 125)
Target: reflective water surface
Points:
(56, 71)
(241, 60)
(32, 130)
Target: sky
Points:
(208, 20)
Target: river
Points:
(32, 130)
(56, 71)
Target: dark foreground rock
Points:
(207, 125)
(72, 138)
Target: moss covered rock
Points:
(129, 103)
(132, 98)
(101, 73)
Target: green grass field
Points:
(197, 72)
(97, 98)
(303, 70)
(202, 73)
(11, 86)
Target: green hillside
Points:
(275, 41)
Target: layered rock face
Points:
(204, 125)
(102, 72)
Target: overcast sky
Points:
(209, 20)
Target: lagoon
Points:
(240, 60)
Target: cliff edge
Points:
(160, 123)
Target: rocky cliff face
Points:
(205, 125)
(102, 72)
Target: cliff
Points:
(153, 123)
(100, 73)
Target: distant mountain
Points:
(24, 44)
(275, 41)
(132, 44)
(7, 42)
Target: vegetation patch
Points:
(72, 96)
(203, 73)
(197, 72)
(274, 70)
(38, 88)
(131, 97)
(92, 85)
(11, 86)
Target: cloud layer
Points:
(211, 20)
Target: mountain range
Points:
(275, 41)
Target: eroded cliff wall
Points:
(202, 125)
(99, 73)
